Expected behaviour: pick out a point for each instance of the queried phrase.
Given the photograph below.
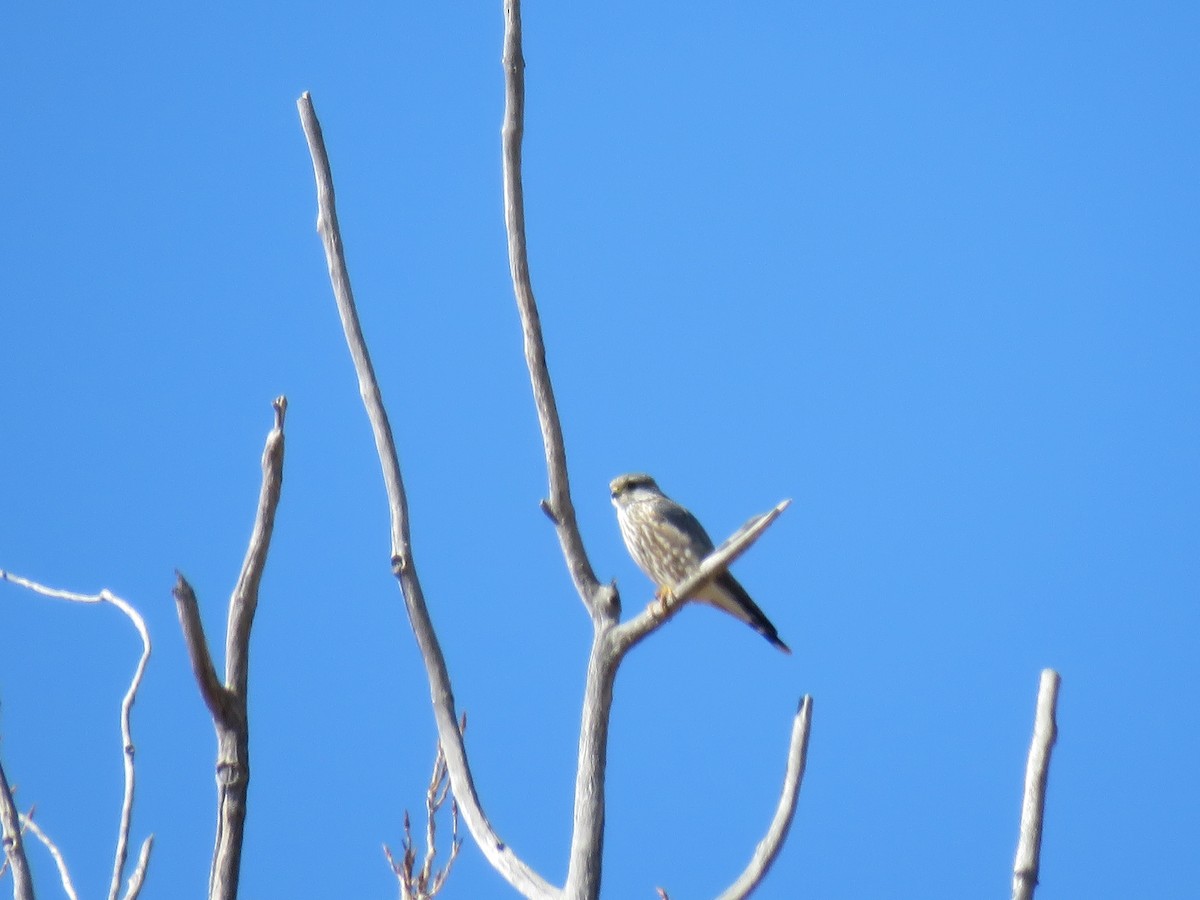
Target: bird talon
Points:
(663, 601)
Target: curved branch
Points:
(127, 740)
(769, 847)
(127, 747)
(502, 858)
(1037, 771)
(14, 846)
(559, 507)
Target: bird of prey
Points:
(668, 544)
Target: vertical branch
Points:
(497, 852)
(561, 508)
(14, 847)
(1037, 771)
(228, 702)
(585, 864)
(602, 602)
(244, 601)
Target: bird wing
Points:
(682, 520)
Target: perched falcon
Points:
(667, 543)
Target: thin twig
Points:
(127, 746)
(424, 884)
(769, 847)
(14, 846)
(1037, 770)
(63, 873)
(497, 852)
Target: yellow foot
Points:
(663, 601)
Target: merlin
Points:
(668, 544)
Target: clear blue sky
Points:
(930, 270)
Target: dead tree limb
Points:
(227, 701)
(1037, 771)
(498, 853)
(769, 847)
(611, 641)
(120, 857)
(14, 846)
(599, 599)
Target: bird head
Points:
(633, 487)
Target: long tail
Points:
(732, 597)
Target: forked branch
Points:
(611, 641)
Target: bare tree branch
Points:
(1037, 771)
(244, 601)
(127, 747)
(499, 854)
(14, 846)
(218, 700)
(598, 598)
(769, 847)
(64, 874)
(138, 877)
(228, 702)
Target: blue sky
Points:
(929, 270)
